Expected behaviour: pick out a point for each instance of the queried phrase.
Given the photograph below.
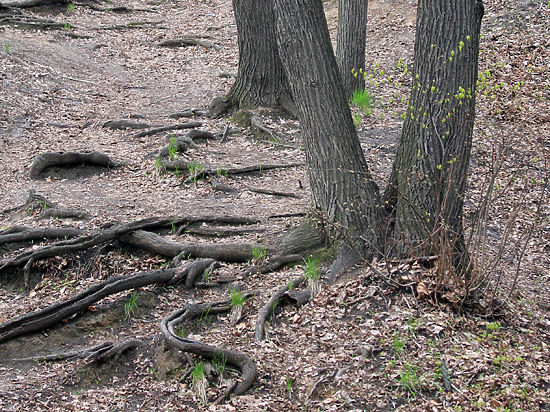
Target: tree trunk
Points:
(429, 177)
(261, 80)
(342, 189)
(350, 51)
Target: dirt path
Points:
(360, 345)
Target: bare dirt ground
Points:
(360, 344)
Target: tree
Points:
(342, 188)
(429, 176)
(350, 49)
(261, 80)
(425, 195)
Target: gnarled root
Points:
(237, 359)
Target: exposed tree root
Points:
(272, 192)
(222, 232)
(45, 160)
(306, 237)
(257, 124)
(82, 242)
(284, 215)
(34, 202)
(98, 353)
(64, 213)
(22, 3)
(26, 234)
(200, 135)
(35, 321)
(122, 124)
(237, 359)
(28, 22)
(273, 263)
(118, 230)
(187, 113)
(177, 126)
(345, 260)
(227, 252)
(113, 9)
(174, 165)
(267, 309)
(219, 106)
(189, 41)
(239, 170)
(38, 203)
(178, 145)
(217, 185)
(132, 25)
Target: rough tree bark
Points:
(350, 49)
(429, 176)
(261, 80)
(343, 191)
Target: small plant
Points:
(408, 379)
(130, 306)
(237, 302)
(356, 119)
(291, 285)
(207, 275)
(258, 254)
(493, 326)
(312, 274)
(204, 317)
(158, 163)
(398, 344)
(172, 147)
(363, 100)
(219, 360)
(66, 26)
(219, 171)
(173, 227)
(70, 8)
(275, 304)
(7, 47)
(198, 379)
(194, 168)
(288, 383)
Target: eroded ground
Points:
(360, 344)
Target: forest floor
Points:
(360, 344)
